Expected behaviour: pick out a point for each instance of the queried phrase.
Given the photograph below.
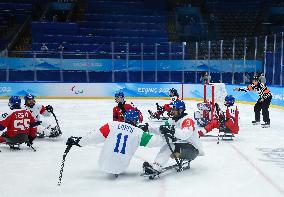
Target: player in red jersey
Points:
(166, 108)
(19, 122)
(122, 107)
(227, 122)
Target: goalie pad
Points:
(201, 121)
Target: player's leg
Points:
(265, 111)
(159, 162)
(257, 109)
(214, 124)
(232, 126)
(47, 130)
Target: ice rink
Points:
(251, 165)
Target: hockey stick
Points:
(60, 132)
(169, 145)
(63, 159)
(62, 164)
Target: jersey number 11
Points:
(118, 143)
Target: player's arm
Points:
(43, 110)
(4, 123)
(186, 130)
(32, 129)
(115, 114)
(249, 88)
(166, 107)
(96, 137)
(150, 140)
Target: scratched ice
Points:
(248, 166)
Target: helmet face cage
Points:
(177, 106)
(131, 116)
(173, 92)
(119, 94)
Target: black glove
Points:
(144, 127)
(167, 130)
(73, 141)
(35, 124)
(121, 106)
(49, 108)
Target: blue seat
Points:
(124, 18)
(48, 75)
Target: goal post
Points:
(215, 93)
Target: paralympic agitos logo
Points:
(76, 90)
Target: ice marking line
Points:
(267, 178)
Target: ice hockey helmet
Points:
(229, 100)
(29, 96)
(119, 94)
(173, 91)
(14, 102)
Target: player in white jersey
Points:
(121, 140)
(44, 129)
(186, 143)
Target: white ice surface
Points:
(251, 165)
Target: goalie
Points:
(227, 122)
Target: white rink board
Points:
(238, 168)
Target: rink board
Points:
(136, 90)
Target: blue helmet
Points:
(14, 102)
(178, 104)
(29, 96)
(229, 100)
(173, 91)
(131, 116)
(119, 94)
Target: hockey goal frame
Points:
(212, 95)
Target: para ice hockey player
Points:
(19, 123)
(122, 107)
(44, 129)
(121, 140)
(262, 103)
(227, 122)
(184, 145)
(165, 108)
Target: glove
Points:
(166, 130)
(49, 108)
(121, 106)
(73, 141)
(159, 108)
(35, 124)
(144, 127)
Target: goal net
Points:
(215, 93)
